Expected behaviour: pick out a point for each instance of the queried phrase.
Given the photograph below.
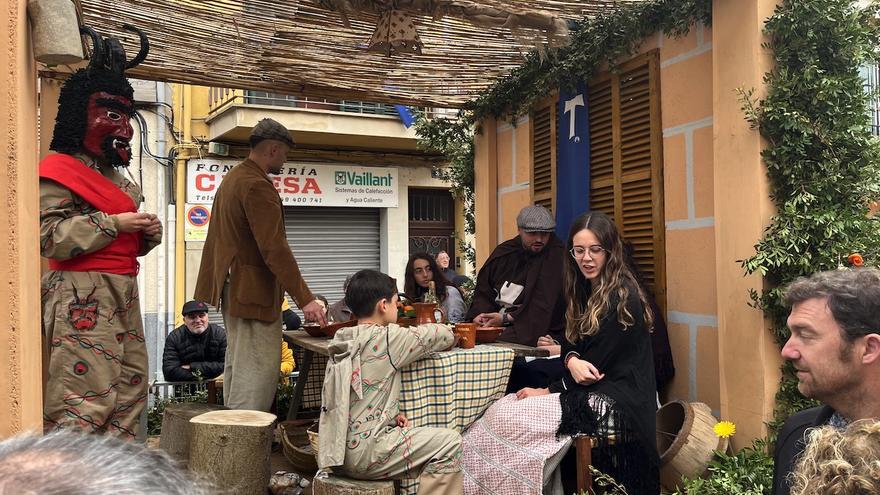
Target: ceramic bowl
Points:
(313, 330)
(486, 335)
(330, 330)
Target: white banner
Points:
(304, 184)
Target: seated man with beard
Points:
(520, 288)
(196, 349)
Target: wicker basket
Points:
(298, 445)
(313, 437)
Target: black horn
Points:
(145, 46)
(97, 45)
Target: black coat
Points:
(540, 308)
(625, 357)
(791, 444)
(204, 352)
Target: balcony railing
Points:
(221, 98)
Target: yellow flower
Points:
(724, 429)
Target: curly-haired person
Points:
(840, 462)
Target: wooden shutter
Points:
(601, 149)
(626, 179)
(543, 135)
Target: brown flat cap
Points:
(271, 129)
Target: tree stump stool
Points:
(337, 485)
(176, 429)
(231, 449)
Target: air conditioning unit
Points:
(218, 148)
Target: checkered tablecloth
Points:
(452, 389)
(448, 389)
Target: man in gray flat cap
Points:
(247, 266)
(520, 288)
(520, 285)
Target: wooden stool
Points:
(337, 485)
(231, 449)
(212, 389)
(176, 428)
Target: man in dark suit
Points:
(246, 267)
(835, 349)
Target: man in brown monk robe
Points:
(520, 288)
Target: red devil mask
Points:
(108, 131)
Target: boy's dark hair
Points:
(366, 288)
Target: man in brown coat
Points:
(246, 267)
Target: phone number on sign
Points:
(299, 200)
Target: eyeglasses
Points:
(579, 252)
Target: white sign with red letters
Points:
(304, 184)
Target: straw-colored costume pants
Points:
(97, 355)
(402, 452)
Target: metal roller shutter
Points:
(331, 243)
(216, 317)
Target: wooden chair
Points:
(583, 448)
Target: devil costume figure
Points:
(92, 233)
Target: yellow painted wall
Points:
(691, 310)
(20, 340)
(686, 106)
(513, 175)
(749, 359)
(687, 102)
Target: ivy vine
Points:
(454, 139)
(822, 161)
(603, 40)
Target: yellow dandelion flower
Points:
(724, 429)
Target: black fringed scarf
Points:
(623, 455)
(625, 357)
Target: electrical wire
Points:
(144, 135)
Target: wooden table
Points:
(523, 350)
(311, 345)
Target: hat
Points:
(271, 129)
(194, 307)
(536, 219)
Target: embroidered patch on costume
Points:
(80, 368)
(83, 312)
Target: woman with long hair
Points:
(421, 268)
(608, 389)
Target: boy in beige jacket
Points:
(363, 434)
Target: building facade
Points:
(357, 191)
(665, 150)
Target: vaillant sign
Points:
(304, 184)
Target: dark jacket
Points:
(540, 307)
(246, 243)
(625, 358)
(204, 352)
(791, 444)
